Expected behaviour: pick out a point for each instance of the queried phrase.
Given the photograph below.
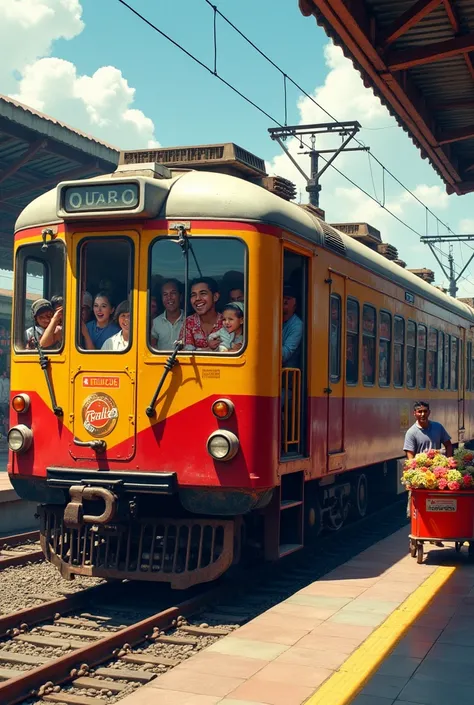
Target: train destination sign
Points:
(100, 197)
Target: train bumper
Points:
(182, 552)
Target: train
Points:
(176, 451)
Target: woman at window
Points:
(103, 327)
(120, 340)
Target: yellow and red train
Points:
(163, 465)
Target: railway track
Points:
(20, 549)
(96, 646)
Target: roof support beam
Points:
(452, 15)
(90, 168)
(29, 154)
(407, 58)
(462, 133)
(410, 18)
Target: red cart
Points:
(440, 515)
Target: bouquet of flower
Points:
(434, 471)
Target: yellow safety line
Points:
(342, 687)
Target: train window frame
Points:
(335, 376)
(472, 367)
(356, 335)
(432, 330)
(454, 383)
(207, 353)
(402, 346)
(19, 328)
(131, 273)
(447, 361)
(441, 371)
(370, 336)
(384, 312)
(420, 349)
(468, 376)
(414, 347)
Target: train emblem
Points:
(99, 414)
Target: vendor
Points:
(425, 434)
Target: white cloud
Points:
(431, 196)
(100, 104)
(466, 226)
(28, 29)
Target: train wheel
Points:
(360, 496)
(337, 514)
(313, 516)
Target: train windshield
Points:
(206, 308)
(39, 292)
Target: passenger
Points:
(166, 327)
(231, 335)
(42, 313)
(237, 295)
(292, 329)
(153, 308)
(96, 332)
(53, 335)
(86, 308)
(120, 341)
(206, 320)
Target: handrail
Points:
(291, 396)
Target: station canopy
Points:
(36, 152)
(418, 57)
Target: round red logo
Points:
(99, 414)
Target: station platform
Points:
(378, 630)
(16, 515)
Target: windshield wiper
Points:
(43, 361)
(183, 242)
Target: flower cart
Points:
(442, 499)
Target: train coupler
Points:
(74, 512)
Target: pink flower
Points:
(431, 454)
(439, 472)
(454, 485)
(467, 480)
(442, 483)
(452, 463)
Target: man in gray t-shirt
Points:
(425, 434)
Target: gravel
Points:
(20, 586)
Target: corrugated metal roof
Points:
(36, 152)
(431, 98)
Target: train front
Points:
(141, 411)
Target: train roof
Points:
(195, 195)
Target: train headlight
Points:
(222, 445)
(21, 403)
(222, 409)
(20, 438)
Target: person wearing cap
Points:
(42, 313)
(231, 335)
(292, 329)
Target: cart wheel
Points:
(412, 548)
(458, 546)
(419, 553)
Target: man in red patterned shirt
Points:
(206, 320)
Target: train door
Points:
(104, 357)
(336, 371)
(294, 355)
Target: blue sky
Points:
(97, 67)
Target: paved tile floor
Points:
(285, 654)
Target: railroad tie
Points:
(152, 660)
(7, 673)
(50, 641)
(70, 631)
(70, 699)
(12, 657)
(96, 684)
(126, 674)
(178, 640)
(205, 631)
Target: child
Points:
(42, 313)
(231, 334)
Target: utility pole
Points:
(347, 130)
(449, 273)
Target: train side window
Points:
(40, 274)
(352, 342)
(433, 358)
(385, 343)
(441, 359)
(454, 362)
(472, 367)
(447, 366)
(468, 365)
(216, 277)
(335, 338)
(369, 318)
(411, 354)
(398, 350)
(104, 293)
(421, 357)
